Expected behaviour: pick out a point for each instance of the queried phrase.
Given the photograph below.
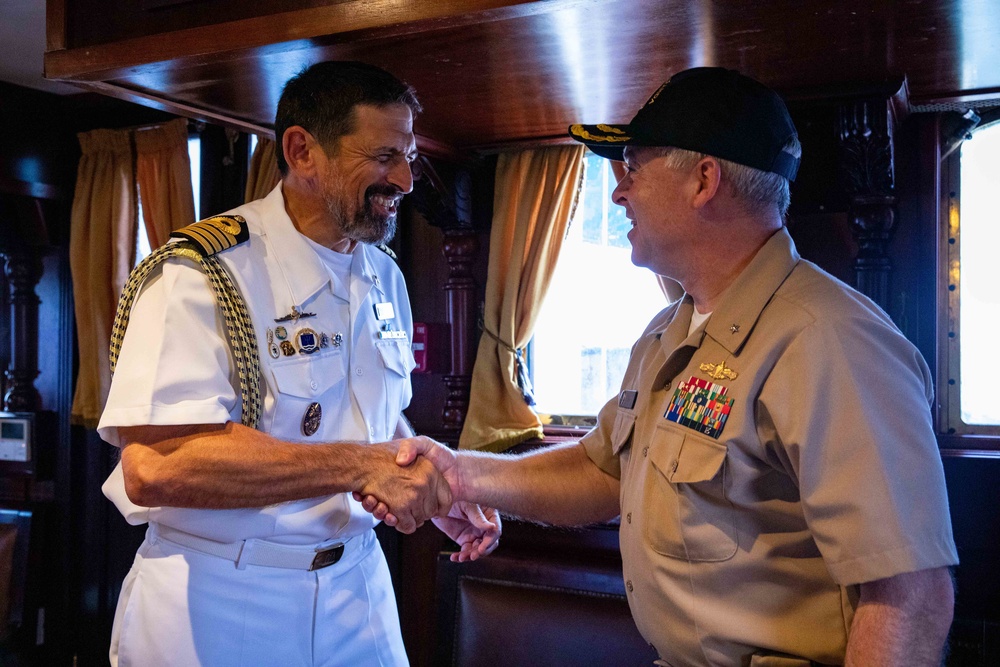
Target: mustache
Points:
(383, 190)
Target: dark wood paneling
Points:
(37, 158)
(975, 512)
(80, 546)
(914, 249)
(502, 71)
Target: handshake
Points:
(415, 479)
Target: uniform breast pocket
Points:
(688, 514)
(397, 361)
(300, 383)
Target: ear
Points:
(708, 175)
(299, 147)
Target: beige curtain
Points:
(102, 252)
(264, 173)
(670, 287)
(536, 194)
(163, 170)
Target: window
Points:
(597, 306)
(973, 292)
(194, 153)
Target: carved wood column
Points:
(866, 141)
(23, 271)
(460, 249)
(445, 203)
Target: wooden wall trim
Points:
(174, 107)
(286, 31)
(23, 270)
(426, 145)
(55, 25)
(969, 97)
(866, 129)
(969, 446)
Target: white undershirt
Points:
(697, 319)
(338, 263)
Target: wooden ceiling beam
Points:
(426, 145)
(354, 20)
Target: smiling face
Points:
(653, 195)
(367, 173)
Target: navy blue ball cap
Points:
(709, 110)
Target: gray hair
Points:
(756, 189)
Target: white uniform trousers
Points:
(181, 607)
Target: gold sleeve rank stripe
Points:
(214, 235)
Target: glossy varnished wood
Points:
(498, 71)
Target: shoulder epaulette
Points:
(213, 235)
(386, 249)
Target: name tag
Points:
(384, 311)
(627, 399)
(392, 334)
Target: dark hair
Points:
(322, 97)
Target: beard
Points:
(366, 225)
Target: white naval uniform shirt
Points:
(175, 367)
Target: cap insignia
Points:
(652, 98)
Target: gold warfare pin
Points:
(718, 371)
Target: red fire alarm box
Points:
(431, 343)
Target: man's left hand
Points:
(475, 529)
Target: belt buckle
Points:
(327, 557)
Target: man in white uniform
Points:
(256, 554)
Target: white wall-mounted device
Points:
(16, 433)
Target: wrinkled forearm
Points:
(558, 485)
(231, 466)
(902, 621)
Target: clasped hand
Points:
(405, 504)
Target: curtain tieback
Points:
(520, 368)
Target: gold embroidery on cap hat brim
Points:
(579, 132)
(608, 128)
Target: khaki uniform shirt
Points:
(769, 462)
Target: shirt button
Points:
(645, 450)
(371, 430)
(314, 384)
(667, 386)
(628, 585)
(628, 517)
(359, 371)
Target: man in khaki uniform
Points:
(771, 452)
